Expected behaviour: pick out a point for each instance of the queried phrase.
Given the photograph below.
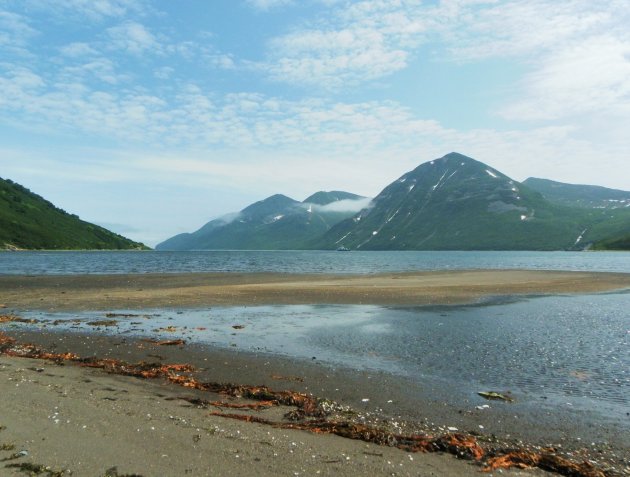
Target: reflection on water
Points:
(565, 349)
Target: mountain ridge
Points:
(579, 195)
(451, 203)
(458, 203)
(276, 222)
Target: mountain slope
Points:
(276, 223)
(458, 203)
(28, 221)
(613, 243)
(587, 196)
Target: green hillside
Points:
(458, 203)
(615, 243)
(28, 221)
(574, 195)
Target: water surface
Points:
(558, 351)
(114, 262)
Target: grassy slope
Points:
(616, 243)
(28, 221)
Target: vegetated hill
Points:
(275, 223)
(458, 203)
(588, 196)
(613, 243)
(28, 221)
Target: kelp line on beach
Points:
(313, 414)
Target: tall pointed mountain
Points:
(275, 223)
(28, 221)
(458, 203)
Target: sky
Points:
(153, 117)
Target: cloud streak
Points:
(346, 205)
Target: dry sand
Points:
(96, 292)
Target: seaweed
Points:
(16, 319)
(493, 395)
(545, 461)
(36, 469)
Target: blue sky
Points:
(152, 117)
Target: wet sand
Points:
(81, 421)
(97, 292)
(134, 426)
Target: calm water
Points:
(560, 351)
(35, 263)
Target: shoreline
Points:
(412, 407)
(93, 292)
(114, 405)
(81, 421)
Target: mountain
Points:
(28, 221)
(587, 196)
(325, 198)
(458, 203)
(275, 223)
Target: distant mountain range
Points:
(451, 203)
(276, 223)
(28, 221)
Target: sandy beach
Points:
(85, 421)
(81, 421)
(97, 292)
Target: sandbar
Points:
(95, 292)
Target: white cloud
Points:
(360, 42)
(346, 205)
(15, 32)
(94, 10)
(286, 133)
(133, 38)
(268, 4)
(576, 51)
(525, 27)
(334, 58)
(100, 69)
(587, 77)
(77, 50)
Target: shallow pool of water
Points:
(560, 350)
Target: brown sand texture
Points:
(95, 292)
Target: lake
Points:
(115, 262)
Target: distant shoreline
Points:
(137, 291)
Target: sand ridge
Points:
(211, 289)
